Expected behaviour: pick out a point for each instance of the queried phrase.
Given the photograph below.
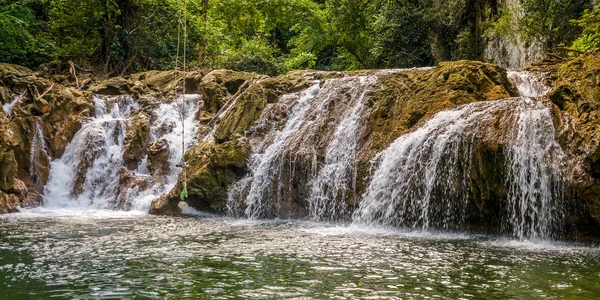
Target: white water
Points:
(534, 163)
(334, 105)
(168, 126)
(87, 175)
(337, 178)
(534, 181)
(424, 166)
(268, 164)
(8, 107)
(529, 84)
(421, 179)
(38, 154)
(94, 156)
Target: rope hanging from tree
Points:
(183, 195)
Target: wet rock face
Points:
(576, 94)
(9, 197)
(136, 140)
(158, 160)
(397, 103)
(219, 85)
(41, 112)
(405, 99)
(211, 169)
(130, 185)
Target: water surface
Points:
(114, 255)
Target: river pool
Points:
(117, 255)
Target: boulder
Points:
(130, 187)
(11, 193)
(158, 160)
(137, 138)
(576, 95)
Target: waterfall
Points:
(534, 162)
(38, 155)
(283, 167)
(168, 125)
(267, 166)
(422, 179)
(529, 84)
(534, 181)
(8, 107)
(337, 177)
(88, 175)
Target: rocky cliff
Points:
(576, 95)
(288, 128)
(396, 103)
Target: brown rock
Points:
(158, 160)
(130, 185)
(136, 140)
(576, 94)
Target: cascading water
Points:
(87, 176)
(276, 160)
(534, 162)
(38, 155)
(8, 107)
(337, 177)
(169, 126)
(422, 179)
(266, 166)
(534, 181)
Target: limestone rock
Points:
(576, 94)
(218, 85)
(155, 83)
(158, 160)
(211, 169)
(136, 140)
(130, 185)
(400, 101)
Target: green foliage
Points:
(252, 56)
(19, 44)
(590, 36)
(548, 21)
(275, 36)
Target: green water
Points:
(120, 256)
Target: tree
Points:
(590, 35)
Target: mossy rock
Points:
(211, 168)
(576, 94)
(136, 140)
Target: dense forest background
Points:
(274, 36)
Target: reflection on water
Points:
(121, 255)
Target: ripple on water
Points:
(120, 255)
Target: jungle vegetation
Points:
(274, 36)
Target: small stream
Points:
(126, 255)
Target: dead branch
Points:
(565, 49)
(73, 72)
(44, 93)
